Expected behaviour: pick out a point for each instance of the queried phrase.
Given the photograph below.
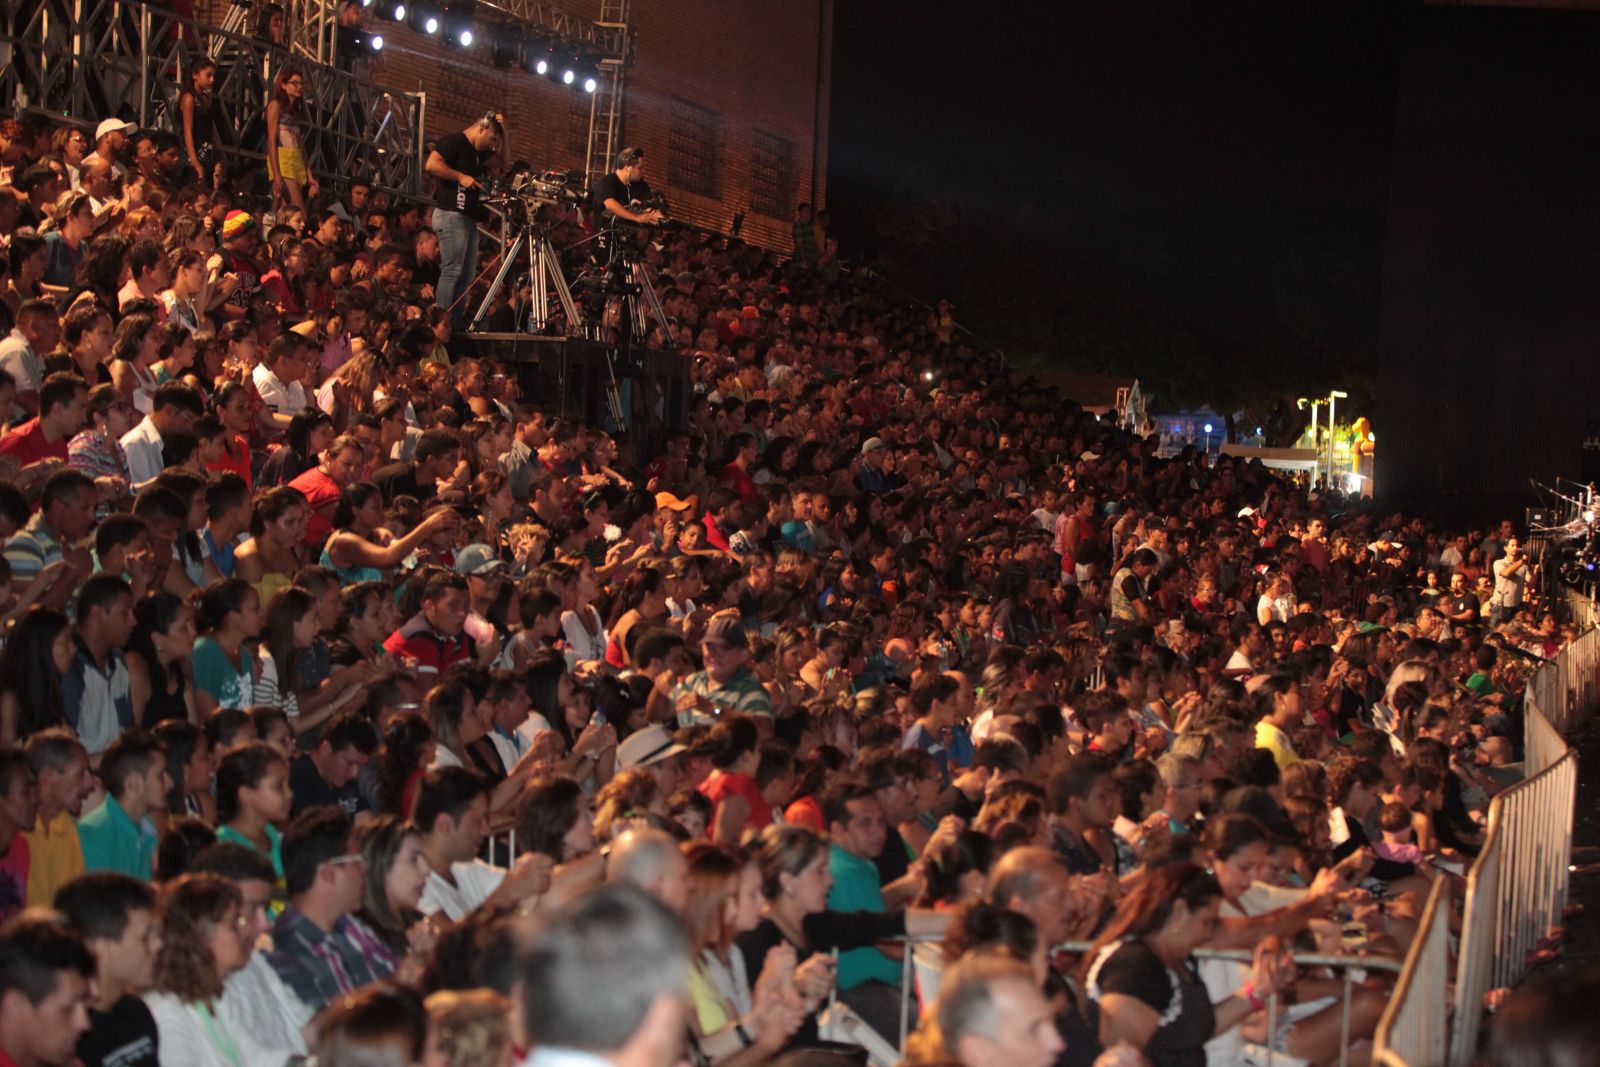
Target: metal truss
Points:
(605, 107)
(91, 59)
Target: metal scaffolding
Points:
(605, 106)
(88, 60)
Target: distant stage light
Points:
(590, 84)
(1208, 427)
(464, 37)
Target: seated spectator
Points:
(452, 811)
(173, 409)
(434, 638)
(320, 949)
(115, 916)
(97, 693)
(46, 983)
(119, 835)
(61, 412)
(62, 783)
(327, 774)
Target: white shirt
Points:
(283, 398)
(143, 446)
(475, 883)
(256, 1002)
(581, 643)
(18, 359)
(186, 1040)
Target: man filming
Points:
(626, 185)
(458, 163)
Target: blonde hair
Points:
(470, 1025)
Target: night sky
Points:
(1216, 174)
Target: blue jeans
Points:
(458, 261)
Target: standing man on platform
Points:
(458, 163)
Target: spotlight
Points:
(391, 10)
(535, 55)
(424, 17)
(458, 19)
(927, 375)
(1208, 427)
(590, 83)
(587, 68)
(354, 43)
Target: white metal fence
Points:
(1517, 887)
(1415, 1027)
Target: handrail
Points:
(1415, 1024)
(89, 59)
(1517, 887)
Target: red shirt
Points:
(433, 651)
(319, 491)
(27, 443)
(722, 785)
(235, 460)
(739, 479)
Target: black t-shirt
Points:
(311, 790)
(893, 862)
(125, 1036)
(459, 155)
(400, 479)
(612, 187)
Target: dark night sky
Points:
(1189, 151)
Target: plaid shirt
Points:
(319, 966)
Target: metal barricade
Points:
(1517, 887)
(1415, 1025)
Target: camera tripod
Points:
(544, 274)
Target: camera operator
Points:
(626, 185)
(458, 164)
(1510, 579)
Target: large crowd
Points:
(354, 703)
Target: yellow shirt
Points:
(55, 858)
(1276, 742)
(710, 1009)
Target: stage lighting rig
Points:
(425, 17)
(505, 50)
(358, 44)
(390, 10)
(459, 21)
(538, 56)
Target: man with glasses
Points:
(173, 409)
(1181, 775)
(115, 916)
(320, 949)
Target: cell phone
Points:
(598, 718)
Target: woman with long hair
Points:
(732, 1025)
(158, 659)
(493, 502)
(231, 405)
(67, 241)
(643, 600)
(407, 751)
(555, 821)
(955, 869)
(86, 337)
(397, 872)
(795, 880)
(189, 767)
(99, 273)
(37, 655)
(363, 624)
(253, 799)
(739, 805)
(358, 551)
(1141, 978)
(229, 615)
(205, 937)
(286, 118)
(291, 627)
(138, 344)
(184, 298)
(308, 433)
(271, 557)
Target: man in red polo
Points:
(62, 401)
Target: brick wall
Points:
(760, 66)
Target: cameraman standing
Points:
(1510, 578)
(625, 185)
(458, 163)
